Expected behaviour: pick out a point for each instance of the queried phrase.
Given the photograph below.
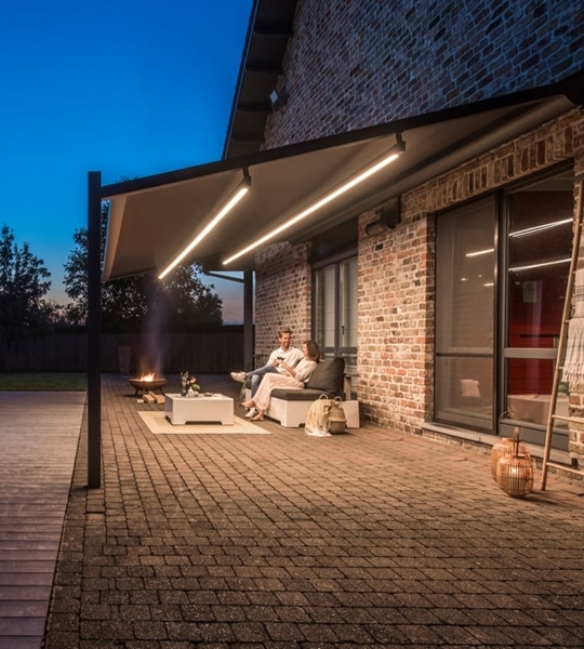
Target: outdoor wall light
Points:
(396, 150)
(240, 192)
(279, 98)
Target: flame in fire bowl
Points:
(147, 383)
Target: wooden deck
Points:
(39, 434)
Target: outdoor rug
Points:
(159, 425)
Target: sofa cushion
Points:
(328, 377)
(296, 395)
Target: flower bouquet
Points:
(189, 385)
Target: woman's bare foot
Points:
(248, 404)
(258, 417)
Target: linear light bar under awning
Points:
(153, 219)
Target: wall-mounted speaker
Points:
(390, 215)
(388, 218)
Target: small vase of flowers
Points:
(193, 388)
(189, 385)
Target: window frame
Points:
(336, 261)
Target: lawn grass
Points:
(43, 382)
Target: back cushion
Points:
(329, 377)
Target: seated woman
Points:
(295, 378)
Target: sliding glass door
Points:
(502, 267)
(537, 260)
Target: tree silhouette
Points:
(23, 285)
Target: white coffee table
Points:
(199, 409)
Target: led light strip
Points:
(240, 192)
(396, 150)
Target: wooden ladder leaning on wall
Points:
(558, 369)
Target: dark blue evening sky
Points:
(126, 87)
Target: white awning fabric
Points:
(153, 219)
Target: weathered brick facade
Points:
(283, 295)
(396, 308)
(357, 63)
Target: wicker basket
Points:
(337, 422)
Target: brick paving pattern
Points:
(284, 541)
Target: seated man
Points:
(290, 355)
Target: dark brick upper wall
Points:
(354, 63)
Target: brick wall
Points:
(355, 63)
(395, 321)
(283, 295)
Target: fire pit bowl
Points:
(147, 385)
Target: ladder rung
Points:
(563, 467)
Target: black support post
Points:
(248, 363)
(94, 331)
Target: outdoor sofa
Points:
(290, 407)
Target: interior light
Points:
(517, 269)
(240, 192)
(539, 228)
(393, 153)
(480, 252)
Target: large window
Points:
(501, 275)
(335, 310)
(465, 253)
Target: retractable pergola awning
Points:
(153, 219)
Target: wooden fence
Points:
(209, 353)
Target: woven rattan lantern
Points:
(515, 470)
(505, 446)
